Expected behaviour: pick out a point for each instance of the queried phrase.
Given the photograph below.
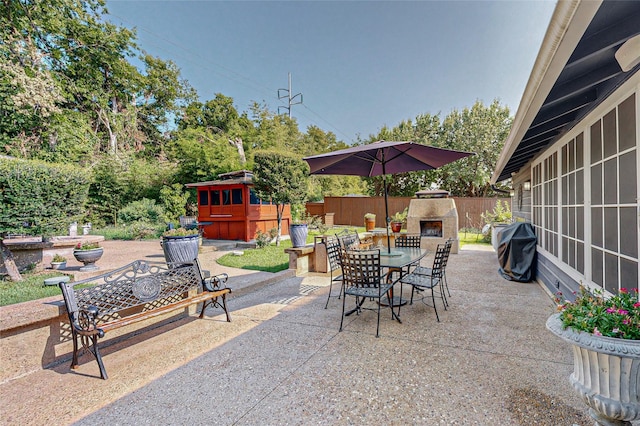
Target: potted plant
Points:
(88, 254)
(497, 219)
(299, 229)
(369, 221)
(605, 334)
(180, 245)
(58, 262)
(399, 219)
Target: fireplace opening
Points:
(431, 228)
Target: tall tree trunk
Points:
(237, 143)
(279, 214)
(9, 262)
(113, 141)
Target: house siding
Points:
(584, 199)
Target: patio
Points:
(490, 361)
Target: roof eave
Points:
(568, 23)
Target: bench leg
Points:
(214, 302)
(224, 306)
(74, 360)
(96, 353)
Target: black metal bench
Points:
(133, 293)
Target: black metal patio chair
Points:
(348, 239)
(333, 249)
(424, 270)
(434, 279)
(362, 279)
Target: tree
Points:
(281, 178)
(480, 129)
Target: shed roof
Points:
(574, 72)
(244, 177)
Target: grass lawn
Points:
(31, 288)
(274, 259)
(270, 258)
(472, 238)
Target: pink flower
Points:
(636, 305)
(616, 330)
(624, 290)
(611, 310)
(622, 312)
(596, 331)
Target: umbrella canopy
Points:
(380, 159)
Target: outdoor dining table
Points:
(402, 257)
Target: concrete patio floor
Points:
(490, 361)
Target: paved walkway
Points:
(490, 361)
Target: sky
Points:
(359, 65)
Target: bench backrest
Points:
(138, 284)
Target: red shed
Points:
(229, 209)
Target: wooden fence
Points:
(351, 210)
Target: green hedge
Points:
(38, 198)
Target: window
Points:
(550, 197)
(572, 187)
(236, 196)
(614, 219)
(226, 197)
(253, 198)
(215, 198)
(204, 198)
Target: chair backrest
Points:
(408, 240)
(439, 261)
(448, 245)
(333, 252)
(361, 268)
(348, 239)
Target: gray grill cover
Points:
(517, 252)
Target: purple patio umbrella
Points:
(380, 159)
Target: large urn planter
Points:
(298, 233)
(606, 373)
(88, 258)
(180, 249)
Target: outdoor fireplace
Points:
(431, 228)
(434, 216)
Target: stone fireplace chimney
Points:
(434, 216)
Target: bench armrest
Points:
(215, 283)
(85, 322)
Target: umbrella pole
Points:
(387, 220)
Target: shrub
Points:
(174, 201)
(501, 213)
(144, 210)
(262, 239)
(39, 198)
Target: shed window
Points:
(253, 198)
(215, 198)
(236, 196)
(204, 198)
(226, 197)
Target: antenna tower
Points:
(291, 100)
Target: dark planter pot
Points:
(180, 249)
(298, 233)
(88, 258)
